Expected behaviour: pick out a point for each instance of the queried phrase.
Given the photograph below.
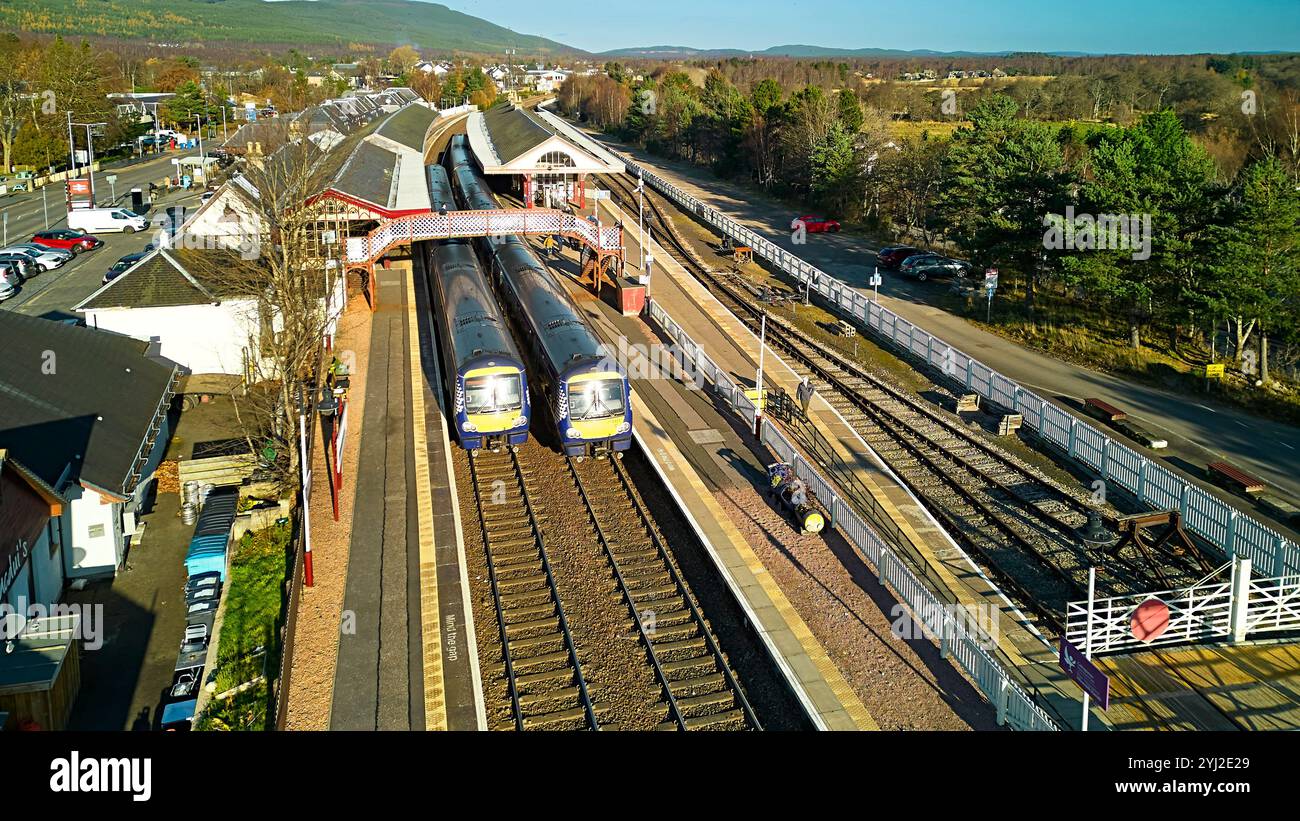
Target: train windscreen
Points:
(492, 394)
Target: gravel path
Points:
(904, 683)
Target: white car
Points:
(8, 282)
(47, 259)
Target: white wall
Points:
(93, 556)
(200, 338)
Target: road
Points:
(1199, 430)
(54, 293)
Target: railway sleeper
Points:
(523, 629)
(524, 598)
(730, 720)
(654, 592)
(533, 646)
(535, 663)
(706, 703)
(674, 632)
(521, 583)
(683, 649)
(515, 615)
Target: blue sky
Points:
(1114, 26)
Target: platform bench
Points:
(1233, 478)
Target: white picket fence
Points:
(1014, 706)
(1221, 524)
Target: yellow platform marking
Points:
(435, 704)
(663, 451)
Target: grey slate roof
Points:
(77, 396)
(368, 174)
(170, 277)
(409, 126)
(513, 131)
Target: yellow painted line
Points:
(655, 441)
(435, 704)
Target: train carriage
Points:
(484, 374)
(441, 196)
(589, 396)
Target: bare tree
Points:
(290, 259)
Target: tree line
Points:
(1200, 155)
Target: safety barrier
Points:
(1014, 706)
(1221, 524)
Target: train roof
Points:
(440, 194)
(566, 338)
(471, 320)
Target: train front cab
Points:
(597, 417)
(492, 407)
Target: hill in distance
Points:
(320, 22)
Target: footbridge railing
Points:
(604, 239)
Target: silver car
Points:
(8, 281)
(49, 258)
(42, 260)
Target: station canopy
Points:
(512, 140)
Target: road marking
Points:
(1285, 445)
(1243, 424)
(1204, 407)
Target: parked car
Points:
(111, 220)
(819, 225)
(933, 266)
(23, 264)
(891, 256)
(74, 241)
(8, 282)
(46, 258)
(62, 253)
(120, 267)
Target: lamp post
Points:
(758, 402)
(640, 214)
(308, 576)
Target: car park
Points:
(67, 238)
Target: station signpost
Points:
(1078, 665)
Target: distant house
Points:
(85, 412)
(545, 80)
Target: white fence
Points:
(1227, 605)
(1014, 705)
(1233, 532)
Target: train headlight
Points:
(469, 426)
(520, 421)
(573, 433)
(623, 427)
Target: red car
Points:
(67, 239)
(819, 225)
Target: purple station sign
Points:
(1084, 673)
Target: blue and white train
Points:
(484, 374)
(588, 394)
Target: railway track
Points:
(547, 688)
(1020, 525)
(698, 688)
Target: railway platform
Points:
(851, 463)
(407, 658)
(665, 428)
